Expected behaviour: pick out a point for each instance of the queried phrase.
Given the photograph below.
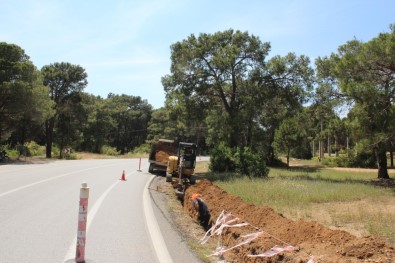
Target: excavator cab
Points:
(182, 165)
(187, 157)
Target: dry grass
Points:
(87, 155)
(346, 200)
(360, 218)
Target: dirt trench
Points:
(310, 240)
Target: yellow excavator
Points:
(182, 166)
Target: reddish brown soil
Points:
(310, 238)
(162, 157)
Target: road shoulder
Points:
(187, 231)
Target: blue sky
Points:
(124, 45)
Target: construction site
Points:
(309, 240)
(243, 232)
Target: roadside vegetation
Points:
(33, 151)
(242, 106)
(347, 200)
(225, 92)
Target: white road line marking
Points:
(156, 235)
(91, 215)
(49, 179)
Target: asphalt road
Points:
(39, 206)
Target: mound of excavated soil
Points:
(161, 156)
(309, 238)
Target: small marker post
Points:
(82, 219)
(139, 170)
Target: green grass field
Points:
(347, 200)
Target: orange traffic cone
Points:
(123, 178)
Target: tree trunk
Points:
(313, 148)
(319, 151)
(329, 146)
(61, 147)
(271, 155)
(322, 150)
(288, 157)
(49, 126)
(234, 133)
(249, 133)
(382, 163)
(23, 135)
(347, 147)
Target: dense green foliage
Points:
(49, 107)
(224, 80)
(290, 134)
(250, 163)
(24, 101)
(222, 93)
(222, 159)
(214, 69)
(364, 73)
(65, 82)
(240, 160)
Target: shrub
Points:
(71, 156)
(221, 159)
(302, 151)
(34, 149)
(250, 163)
(363, 160)
(242, 160)
(341, 161)
(105, 149)
(55, 151)
(11, 153)
(142, 149)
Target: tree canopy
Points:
(364, 73)
(23, 97)
(223, 92)
(214, 69)
(226, 75)
(65, 82)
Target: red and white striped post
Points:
(82, 219)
